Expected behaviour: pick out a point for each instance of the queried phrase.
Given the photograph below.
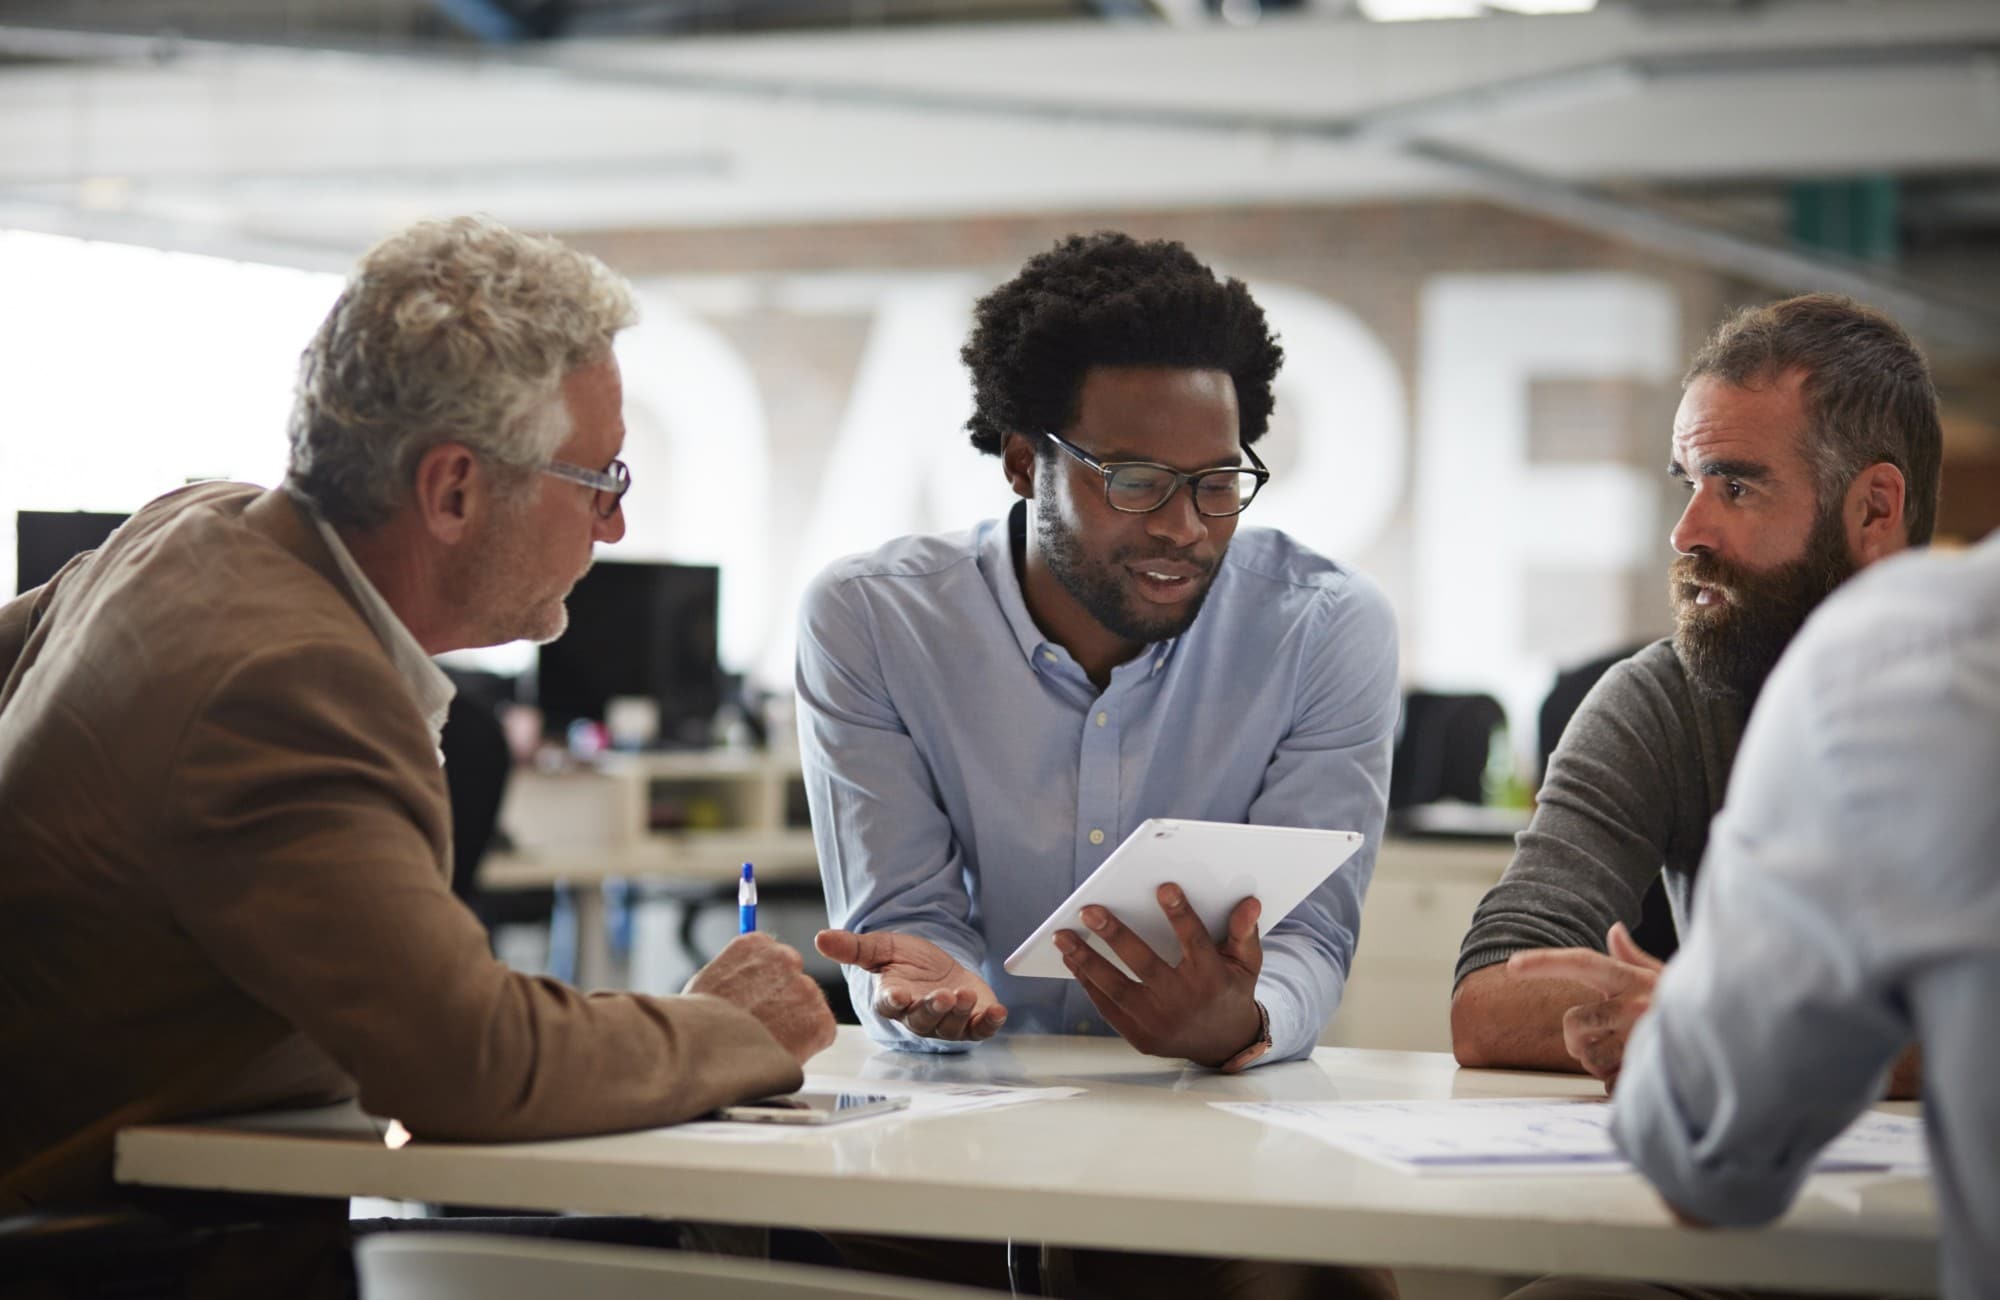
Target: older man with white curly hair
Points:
(225, 880)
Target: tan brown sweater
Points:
(224, 851)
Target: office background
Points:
(1489, 232)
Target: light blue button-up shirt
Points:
(1848, 905)
(965, 775)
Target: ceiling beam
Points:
(1412, 126)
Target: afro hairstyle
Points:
(1108, 299)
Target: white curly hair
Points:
(450, 331)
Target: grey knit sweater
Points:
(1630, 791)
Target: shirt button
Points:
(1097, 837)
(1082, 1027)
(1103, 718)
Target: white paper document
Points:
(927, 1098)
(934, 1097)
(1524, 1136)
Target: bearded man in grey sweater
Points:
(1809, 443)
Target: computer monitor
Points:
(637, 629)
(45, 540)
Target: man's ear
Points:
(1873, 511)
(450, 490)
(1017, 456)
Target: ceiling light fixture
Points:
(1404, 11)
(1543, 6)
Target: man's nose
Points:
(1696, 530)
(611, 529)
(1178, 521)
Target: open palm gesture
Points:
(919, 984)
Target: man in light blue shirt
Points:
(985, 716)
(1849, 906)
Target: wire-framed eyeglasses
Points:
(611, 483)
(1140, 487)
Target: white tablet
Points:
(1217, 864)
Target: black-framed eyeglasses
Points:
(612, 482)
(1140, 487)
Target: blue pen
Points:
(746, 903)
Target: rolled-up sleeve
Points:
(1752, 1062)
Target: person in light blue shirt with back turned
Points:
(986, 715)
(1849, 907)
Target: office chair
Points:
(477, 767)
(1442, 748)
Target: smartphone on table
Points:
(814, 1108)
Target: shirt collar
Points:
(997, 549)
(996, 557)
(428, 684)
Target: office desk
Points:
(1139, 1161)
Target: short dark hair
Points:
(1108, 299)
(1868, 394)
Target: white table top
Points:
(1139, 1161)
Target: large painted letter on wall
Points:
(1484, 515)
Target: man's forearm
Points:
(1499, 1021)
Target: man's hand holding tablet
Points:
(1203, 1009)
(1177, 982)
(919, 984)
(1166, 935)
